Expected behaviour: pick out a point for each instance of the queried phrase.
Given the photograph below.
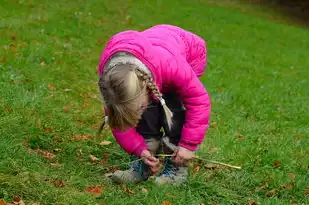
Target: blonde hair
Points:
(125, 88)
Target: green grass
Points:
(257, 78)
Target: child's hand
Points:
(151, 161)
(183, 155)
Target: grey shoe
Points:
(172, 174)
(138, 172)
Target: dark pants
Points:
(153, 119)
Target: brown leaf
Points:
(276, 164)
(42, 63)
(166, 202)
(93, 158)
(48, 129)
(210, 166)
(213, 203)
(307, 191)
(289, 185)
(240, 137)
(66, 108)
(265, 186)
(129, 191)
(7, 108)
(144, 190)
(2, 202)
(271, 193)
(81, 137)
(252, 203)
(46, 154)
(105, 142)
(95, 190)
(292, 176)
(16, 199)
(26, 144)
(51, 86)
(56, 183)
(13, 37)
(197, 169)
(85, 104)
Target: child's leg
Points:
(173, 173)
(149, 127)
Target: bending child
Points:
(150, 80)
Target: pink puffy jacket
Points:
(176, 59)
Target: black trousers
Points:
(153, 119)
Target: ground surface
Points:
(257, 77)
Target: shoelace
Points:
(170, 169)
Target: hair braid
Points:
(153, 88)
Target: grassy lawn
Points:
(257, 77)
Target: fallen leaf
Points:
(56, 183)
(105, 142)
(144, 190)
(265, 186)
(42, 63)
(197, 168)
(293, 202)
(46, 154)
(213, 124)
(95, 190)
(128, 17)
(251, 117)
(202, 204)
(129, 191)
(51, 86)
(105, 156)
(307, 191)
(240, 137)
(166, 202)
(7, 108)
(81, 137)
(13, 37)
(93, 158)
(2, 202)
(56, 164)
(48, 129)
(85, 104)
(252, 203)
(289, 185)
(276, 164)
(271, 193)
(213, 203)
(66, 108)
(213, 150)
(57, 150)
(210, 166)
(292, 176)
(26, 144)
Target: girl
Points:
(149, 80)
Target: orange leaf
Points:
(66, 108)
(129, 191)
(56, 183)
(271, 193)
(51, 86)
(2, 202)
(81, 137)
(276, 164)
(95, 190)
(166, 202)
(105, 142)
(85, 104)
(46, 154)
(197, 168)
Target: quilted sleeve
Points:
(181, 77)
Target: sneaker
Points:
(172, 174)
(138, 172)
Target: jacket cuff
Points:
(138, 151)
(192, 147)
